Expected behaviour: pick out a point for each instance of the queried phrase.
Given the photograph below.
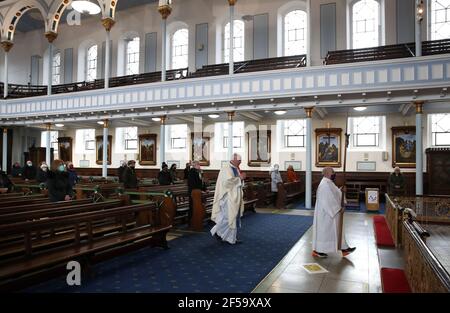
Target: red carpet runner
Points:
(394, 280)
(382, 233)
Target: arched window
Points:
(295, 33)
(91, 64)
(365, 24)
(238, 42)
(440, 19)
(180, 51)
(132, 57)
(56, 68)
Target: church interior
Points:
(289, 87)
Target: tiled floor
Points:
(357, 273)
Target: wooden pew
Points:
(94, 237)
(31, 199)
(288, 192)
(39, 206)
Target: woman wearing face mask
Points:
(275, 177)
(29, 171)
(58, 183)
(73, 177)
(42, 174)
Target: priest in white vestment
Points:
(327, 217)
(228, 206)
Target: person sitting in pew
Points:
(73, 177)
(275, 177)
(291, 175)
(195, 181)
(186, 171)
(29, 171)
(164, 177)
(121, 170)
(58, 183)
(130, 180)
(397, 182)
(42, 173)
(173, 173)
(5, 182)
(16, 170)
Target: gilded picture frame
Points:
(259, 144)
(147, 149)
(328, 147)
(99, 149)
(65, 149)
(404, 146)
(200, 147)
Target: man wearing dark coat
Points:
(129, 176)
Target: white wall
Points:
(145, 19)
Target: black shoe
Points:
(319, 255)
(347, 251)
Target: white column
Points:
(230, 135)
(50, 69)
(419, 148)
(107, 56)
(164, 9)
(48, 145)
(231, 54)
(308, 41)
(5, 150)
(162, 141)
(308, 171)
(105, 149)
(5, 84)
(418, 28)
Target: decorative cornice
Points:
(419, 106)
(231, 116)
(108, 23)
(165, 11)
(7, 45)
(309, 111)
(5, 130)
(51, 36)
(232, 2)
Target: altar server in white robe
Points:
(327, 217)
(228, 206)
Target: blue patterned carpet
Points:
(197, 262)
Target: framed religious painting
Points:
(99, 149)
(404, 146)
(147, 149)
(200, 148)
(65, 148)
(328, 147)
(259, 148)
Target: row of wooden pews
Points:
(38, 238)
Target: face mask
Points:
(61, 168)
(45, 169)
(29, 164)
(333, 177)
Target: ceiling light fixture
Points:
(100, 123)
(214, 115)
(280, 112)
(360, 109)
(86, 7)
(156, 119)
(59, 125)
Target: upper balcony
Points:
(255, 85)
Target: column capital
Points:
(5, 130)
(232, 2)
(163, 120)
(165, 11)
(419, 106)
(7, 45)
(48, 126)
(309, 111)
(105, 123)
(231, 116)
(108, 23)
(51, 36)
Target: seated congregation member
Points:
(195, 181)
(121, 169)
(397, 182)
(29, 171)
(16, 170)
(327, 218)
(42, 173)
(5, 182)
(58, 183)
(130, 180)
(173, 173)
(275, 177)
(228, 206)
(292, 176)
(73, 176)
(164, 176)
(186, 171)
